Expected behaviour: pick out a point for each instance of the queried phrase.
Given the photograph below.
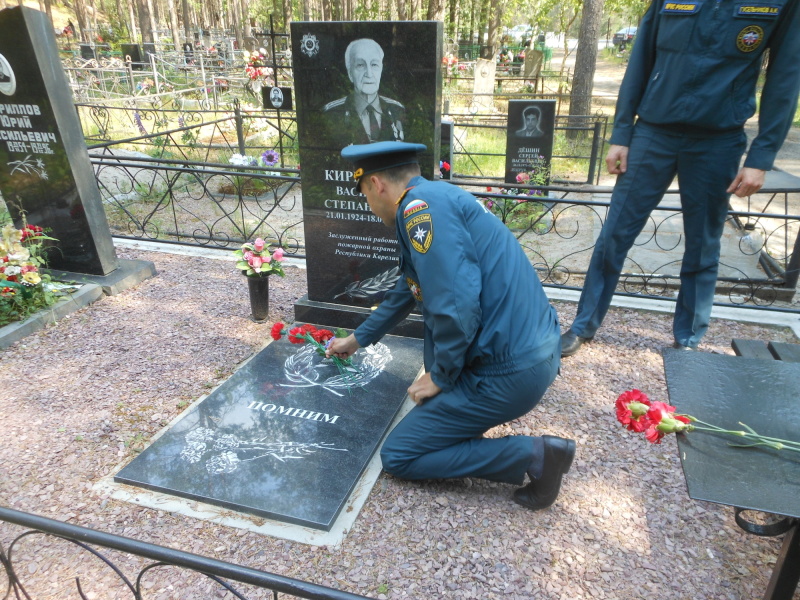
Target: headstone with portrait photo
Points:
(45, 171)
(529, 140)
(276, 98)
(358, 83)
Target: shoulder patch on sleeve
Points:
(414, 207)
(420, 232)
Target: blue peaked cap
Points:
(371, 158)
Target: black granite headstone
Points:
(351, 254)
(87, 52)
(276, 98)
(529, 139)
(44, 164)
(286, 437)
(135, 53)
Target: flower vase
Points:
(259, 298)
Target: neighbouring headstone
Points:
(44, 165)
(483, 86)
(276, 98)
(351, 254)
(532, 66)
(135, 53)
(286, 437)
(529, 139)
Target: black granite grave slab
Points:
(284, 438)
(724, 391)
(351, 254)
(529, 137)
(44, 165)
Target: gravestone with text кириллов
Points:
(44, 164)
(286, 437)
(358, 83)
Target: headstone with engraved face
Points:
(529, 140)
(286, 437)
(357, 83)
(44, 165)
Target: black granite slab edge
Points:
(726, 390)
(130, 273)
(350, 317)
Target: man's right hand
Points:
(342, 347)
(617, 159)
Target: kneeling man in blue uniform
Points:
(492, 344)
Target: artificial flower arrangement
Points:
(523, 210)
(253, 184)
(255, 259)
(657, 419)
(256, 68)
(444, 169)
(23, 288)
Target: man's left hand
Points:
(747, 182)
(423, 389)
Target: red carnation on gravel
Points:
(277, 331)
(632, 410)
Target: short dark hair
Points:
(531, 109)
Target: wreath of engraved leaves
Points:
(299, 368)
(382, 282)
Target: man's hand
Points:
(342, 347)
(617, 159)
(747, 182)
(423, 389)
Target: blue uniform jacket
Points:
(695, 64)
(483, 305)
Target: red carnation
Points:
(632, 410)
(277, 331)
(322, 335)
(294, 335)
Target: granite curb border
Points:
(13, 332)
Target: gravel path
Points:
(88, 392)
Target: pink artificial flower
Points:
(278, 254)
(258, 244)
(255, 262)
(523, 178)
(248, 255)
(266, 258)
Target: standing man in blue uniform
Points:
(492, 340)
(691, 82)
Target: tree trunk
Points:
(287, 14)
(247, 31)
(495, 10)
(80, 15)
(236, 17)
(173, 22)
(145, 24)
(401, 10)
(453, 25)
(580, 101)
(48, 7)
(435, 10)
(131, 21)
(415, 10)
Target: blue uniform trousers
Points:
(439, 439)
(706, 164)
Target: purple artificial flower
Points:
(270, 158)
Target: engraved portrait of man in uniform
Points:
(364, 116)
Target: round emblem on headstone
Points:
(309, 45)
(750, 38)
(8, 83)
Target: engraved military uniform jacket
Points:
(483, 305)
(695, 64)
(350, 129)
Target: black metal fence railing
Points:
(190, 192)
(557, 227)
(223, 575)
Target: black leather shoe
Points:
(679, 346)
(542, 492)
(571, 343)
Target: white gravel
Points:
(90, 390)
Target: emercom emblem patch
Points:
(420, 232)
(416, 291)
(749, 38)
